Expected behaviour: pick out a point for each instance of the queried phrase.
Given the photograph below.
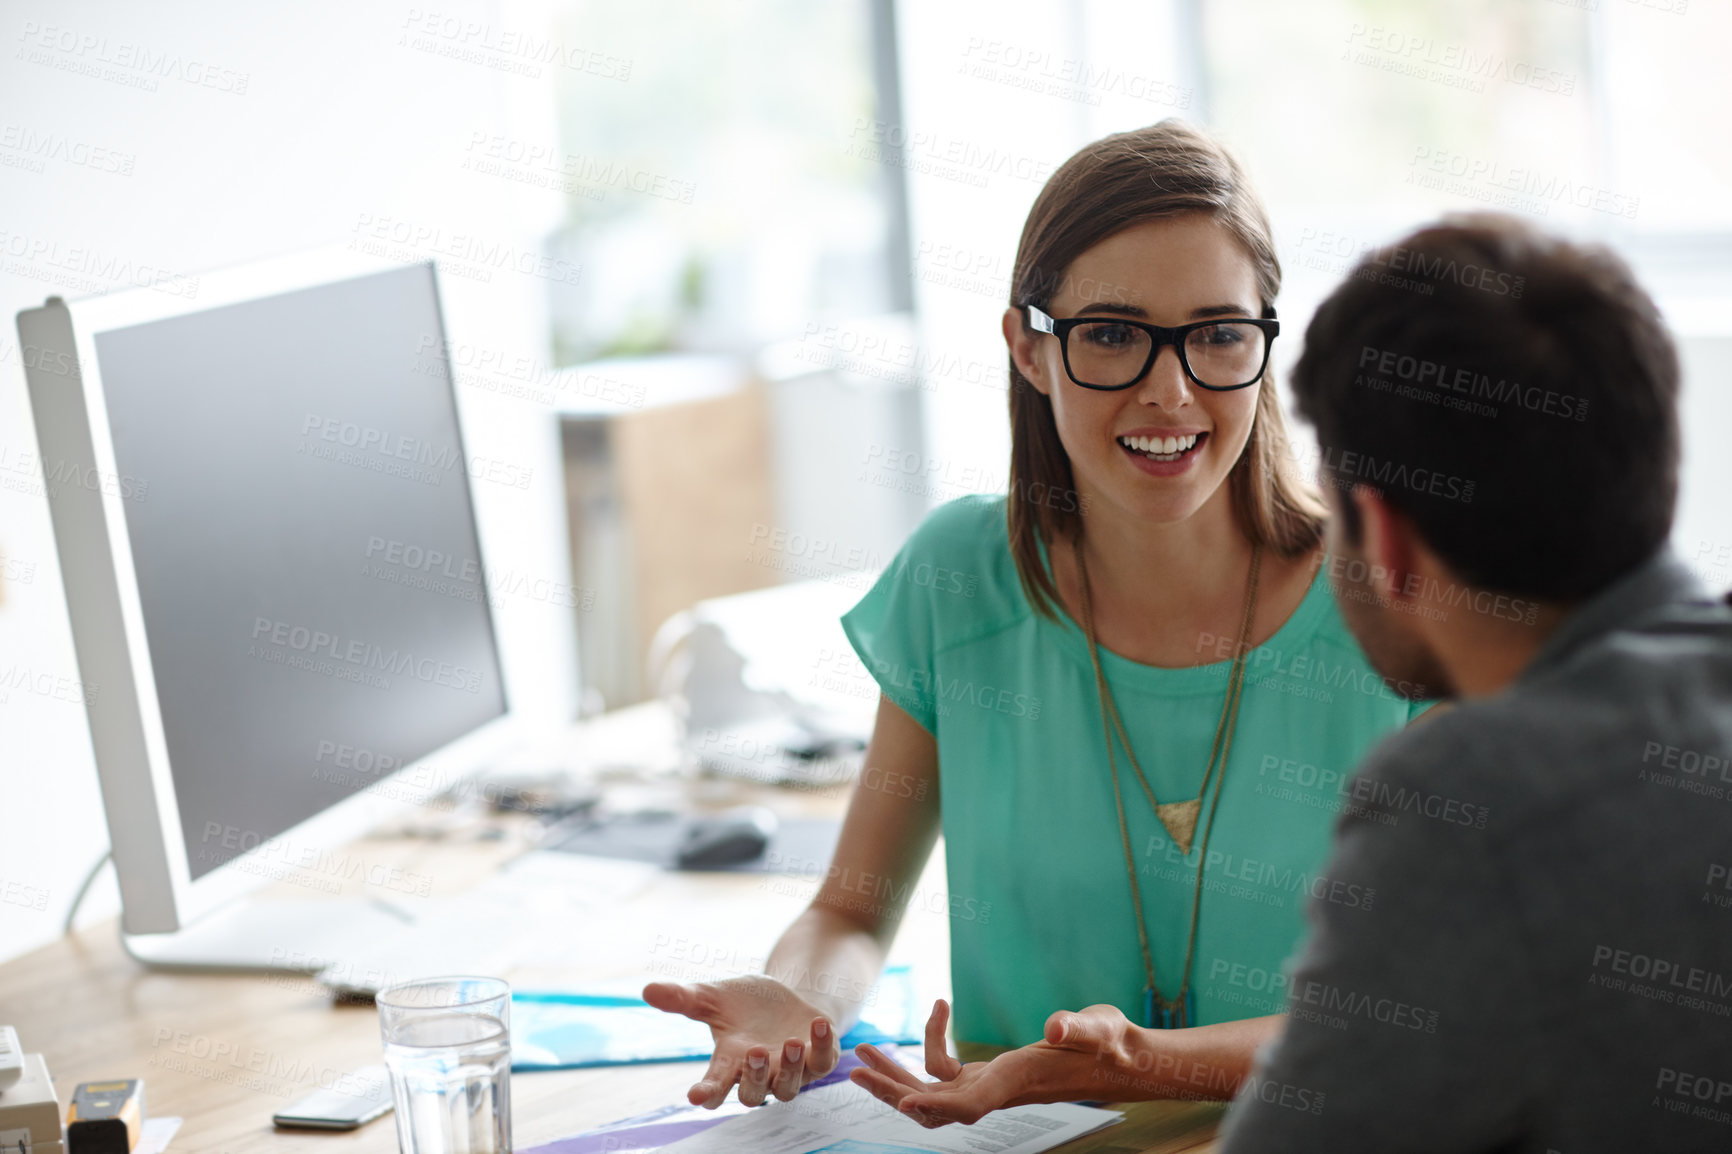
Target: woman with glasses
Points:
(1131, 706)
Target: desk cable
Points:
(84, 890)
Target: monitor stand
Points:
(544, 905)
(275, 937)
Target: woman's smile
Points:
(1163, 452)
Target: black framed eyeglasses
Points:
(1111, 353)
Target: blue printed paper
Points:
(563, 1029)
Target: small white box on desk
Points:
(30, 1111)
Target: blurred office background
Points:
(723, 281)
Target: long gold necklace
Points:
(1179, 818)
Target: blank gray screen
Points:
(305, 547)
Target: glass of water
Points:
(448, 1047)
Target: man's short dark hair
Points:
(1513, 394)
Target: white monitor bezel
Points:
(189, 899)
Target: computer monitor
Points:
(261, 504)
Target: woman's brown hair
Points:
(1160, 171)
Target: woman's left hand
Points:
(1088, 1054)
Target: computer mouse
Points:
(724, 839)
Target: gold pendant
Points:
(1180, 818)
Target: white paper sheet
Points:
(155, 1136)
(845, 1119)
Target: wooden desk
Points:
(225, 1051)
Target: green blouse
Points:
(1040, 904)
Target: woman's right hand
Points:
(769, 1040)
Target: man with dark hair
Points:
(1547, 964)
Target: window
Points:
(716, 200)
(1415, 108)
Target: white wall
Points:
(185, 136)
(1702, 534)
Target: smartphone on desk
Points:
(348, 1104)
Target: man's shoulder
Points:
(1576, 730)
(1437, 776)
